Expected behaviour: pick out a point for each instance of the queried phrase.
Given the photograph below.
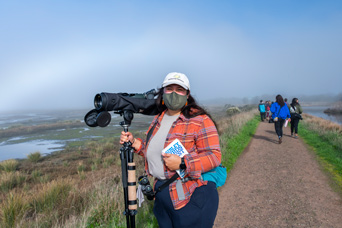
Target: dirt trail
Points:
(277, 185)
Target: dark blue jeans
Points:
(278, 125)
(199, 212)
(263, 116)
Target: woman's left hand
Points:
(172, 161)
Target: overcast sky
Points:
(59, 54)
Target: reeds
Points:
(21, 130)
(232, 125)
(81, 189)
(9, 165)
(34, 157)
(10, 180)
(325, 138)
(12, 210)
(330, 131)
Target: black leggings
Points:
(278, 125)
(294, 125)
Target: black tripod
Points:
(128, 173)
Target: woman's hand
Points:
(126, 137)
(172, 161)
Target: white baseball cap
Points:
(177, 78)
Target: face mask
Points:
(174, 101)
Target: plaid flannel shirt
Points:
(200, 138)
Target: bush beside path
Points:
(278, 185)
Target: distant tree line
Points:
(320, 98)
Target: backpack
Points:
(261, 107)
(217, 175)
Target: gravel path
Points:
(277, 185)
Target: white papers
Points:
(286, 122)
(177, 148)
(140, 195)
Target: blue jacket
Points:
(284, 112)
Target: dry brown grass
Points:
(321, 125)
(9, 165)
(22, 130)
(63, 190)
(327, 130)
(233, 124)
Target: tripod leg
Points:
(124, 182)
(132, 193)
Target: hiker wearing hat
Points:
(190, 201)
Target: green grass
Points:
(10, 165)
(10, 180)
(329, 154)
(45, 198)
(34, 157)
(13, 210)
(235, 145)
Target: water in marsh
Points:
(52, 140)
(48, 141)
(319, 112)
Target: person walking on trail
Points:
(262, 110)
(268, 107)
(280, 112)
(295, 111)
(190, 202)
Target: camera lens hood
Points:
(90, 118)
(103, 119)
(96, 118)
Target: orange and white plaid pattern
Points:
(200, 138)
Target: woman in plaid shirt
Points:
(190, 202)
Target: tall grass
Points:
(12, 211)
(22, 130)
(48, 196)
(235, 134)
(10, 180)
(325, 137)
(34, 157)
(9, 165)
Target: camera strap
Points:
(167, 183)
(149, 133)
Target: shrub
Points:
(80, 167)
(51, 196)
(9, 165)
(36, 174)
(11, 180)
(232, 111)
(12, 210)
(108, 161)
(44, 179)
(94, 167)
(34, 157)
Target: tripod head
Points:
(128, 117)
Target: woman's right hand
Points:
(125, 137)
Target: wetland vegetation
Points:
(80, 186)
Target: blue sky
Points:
(59, 54)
